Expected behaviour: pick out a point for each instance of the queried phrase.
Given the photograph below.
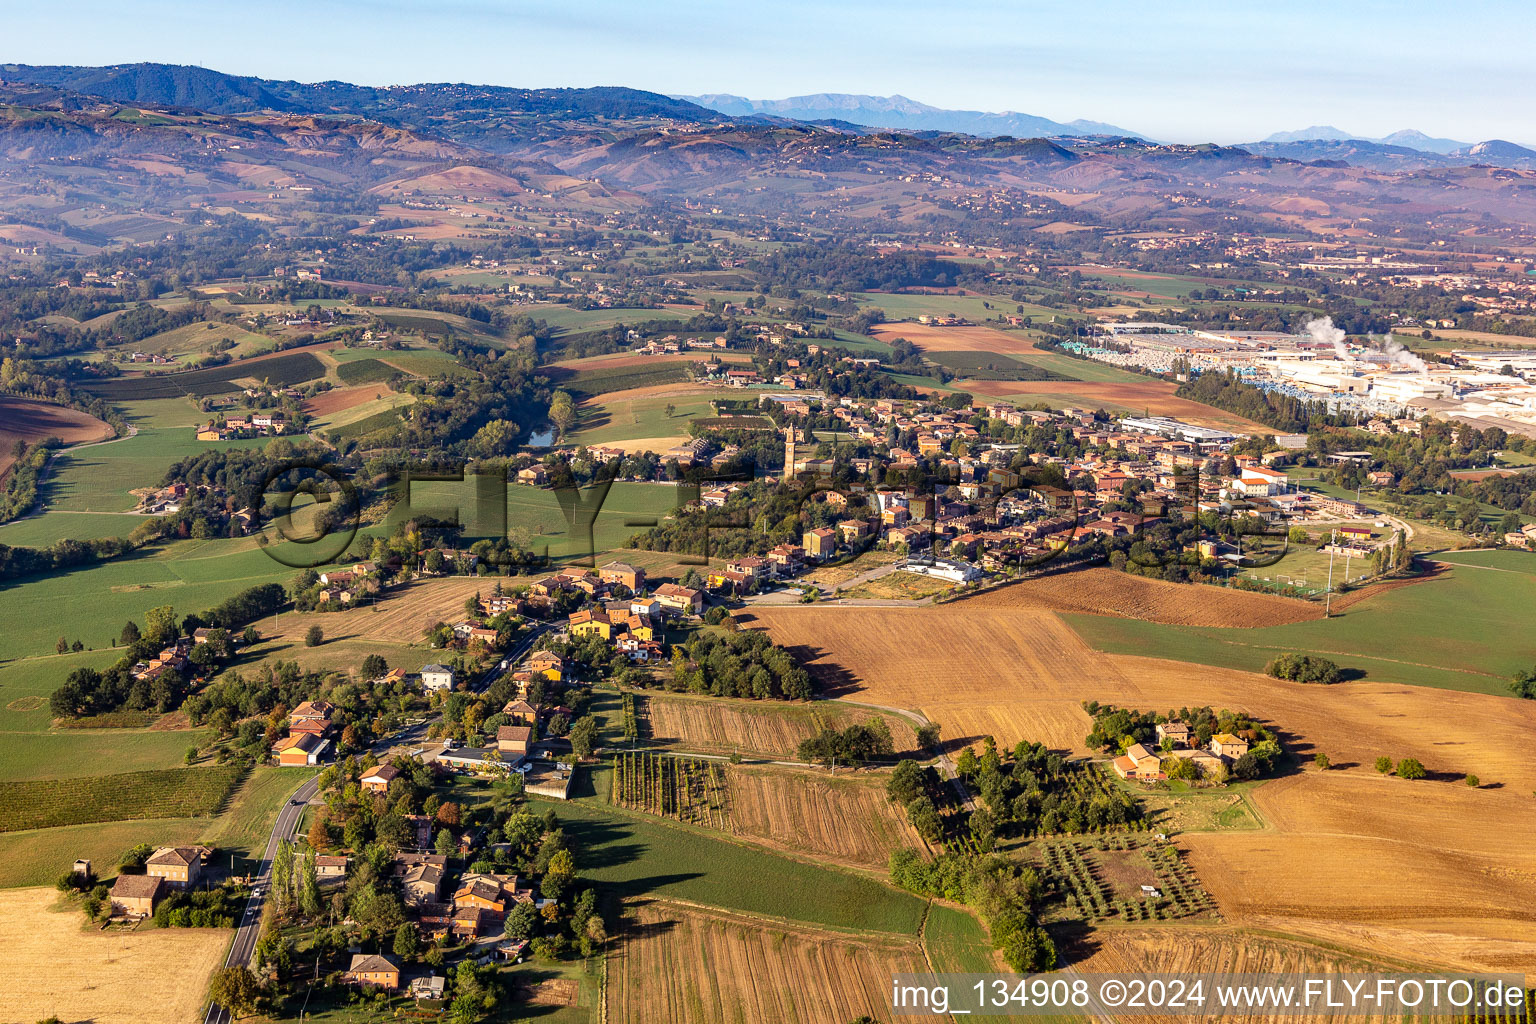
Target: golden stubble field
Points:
(713, 725)
(686, 965)
(1430, 871)
(401, 615)
(845, 818)
(56, 967)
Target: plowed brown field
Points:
(336, 400)
(1104, 591)
(1203, 949)
(1446, 872)
(22, 419)
(685, 965)
(847, 818)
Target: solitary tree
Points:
(1410, 768)
(314, 636)
(1322, 762)
(1384, 765)
(1474, 781)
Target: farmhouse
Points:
(683, 600)
(437, 677)
(1139, 763)
(180, 867)
(373, 970)
(1228, 747)
(136, 895)
(1178, 732)
(329, 866)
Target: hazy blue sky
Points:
(1222, 70)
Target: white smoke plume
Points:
(1397, 353)
(1322, 330)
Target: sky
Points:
(1177, 70)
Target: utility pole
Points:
(1328, 594)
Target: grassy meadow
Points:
(1466, 630)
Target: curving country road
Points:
(286, 826)
(249, 929)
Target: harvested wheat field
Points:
(1153, 397)
(847, 819)
(1450, 869)
(976, 670)
(1217, 950)
(402, 616)
(955, 339)
(1103, 591)
(328, 403)
(685, 965)
(149, 976)
(715, 725)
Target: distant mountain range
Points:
(197, 88)
(899, 112)
(1402, 150)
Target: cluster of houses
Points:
(310, 727)
(545, 766)
(263, 423)
(173, 657)
(1174, 741)
(473, 909)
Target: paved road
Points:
(249, 929)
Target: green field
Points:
(634, 857)
(590, 383)
(158, 793)
(52, 527)
(1082, 369)
(364, 371)
(971, 307)
(98, 478)
(1469, 630)
(626, 419)
(83, 753)
(288, 368)
(957, 942)
(92, 603)
(535, 517)
(196, 338)
(593, 319)
(39, 856)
